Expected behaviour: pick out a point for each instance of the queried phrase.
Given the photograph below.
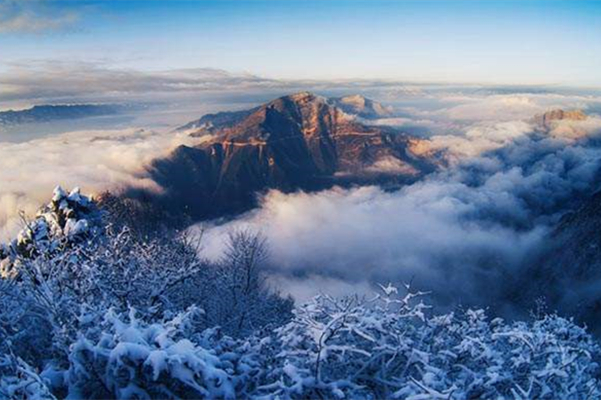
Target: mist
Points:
(466, 232)
(95, 161)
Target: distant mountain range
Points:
(301, 141)
(49, 113)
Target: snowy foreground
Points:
(90, 310)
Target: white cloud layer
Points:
(463, 232)
(510, 107)
(93, 160)
(51, 81)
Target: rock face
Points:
(213, 123)
(547, 119)
(295, 142)
(355, 105)
(567, 274)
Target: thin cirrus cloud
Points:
(40, 80)
(37, 81)
(35, 16)
(540, 42)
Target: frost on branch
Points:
(66, 288)
(114, 315)
(18, 380)
(67, 218)
(394, 347)
(133, 359)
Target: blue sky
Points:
(527, 42)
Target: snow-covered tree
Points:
(18, 380)
(395, 347)
(130, 358)
(241, 301)
(66, 280)
(67, 219)
(101, 313)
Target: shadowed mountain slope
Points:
(48, 113)
(295, 142)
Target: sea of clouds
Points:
(95, 161)
(464, 232)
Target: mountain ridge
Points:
(48, 113)
(353, 105)
(299, 141)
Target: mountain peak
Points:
(300, 141)
(299, 100)
(302, 97)
(559, 114)
(547, 119)
(305, 105)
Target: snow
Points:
(58, 194)
(75, 228)
(110, 317)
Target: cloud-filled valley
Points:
(294, 199)
(464, 231)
